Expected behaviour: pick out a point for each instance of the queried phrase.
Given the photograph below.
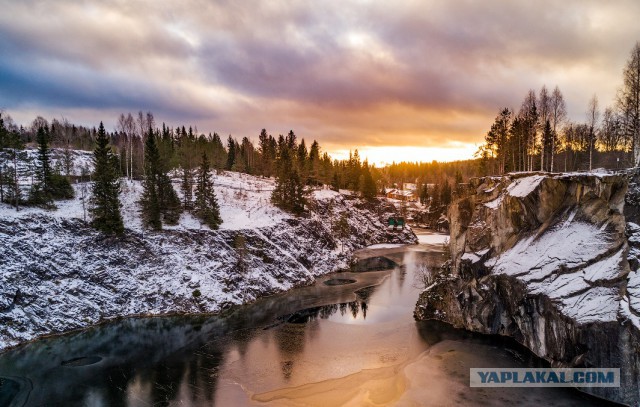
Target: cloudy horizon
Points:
(416, 80)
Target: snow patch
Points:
(495, 203)
(384, 246)
(433, 238)
(524, 186)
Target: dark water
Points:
(350, 342)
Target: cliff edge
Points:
(552, 261)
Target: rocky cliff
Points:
(550, 260)
(58, 274)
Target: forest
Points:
(540, 137)
(536, 137)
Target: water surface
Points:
(352, 341)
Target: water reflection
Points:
(349, 309)
(355, 337)
(155, 361)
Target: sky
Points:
(406, 80)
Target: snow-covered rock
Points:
(58, 274)
(551, 260)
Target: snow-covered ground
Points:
(27, 162)
(244, 204)
(434, 238)
(524, 186)
(384, 246)
(57, 273)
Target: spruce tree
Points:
(150, 202)
(206, 205)
(424, 194)
(335, 182)
(170, 205)
(289, 193)
(159, 200)
(105, 201)
(14, 143)
(186, 186)
(231, 153)
(368, 186)
(445, 194)
(297, 193)
(40, 193)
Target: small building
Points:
(401, 194)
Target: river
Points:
(348, 340)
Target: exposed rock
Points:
(58, 275)
(551, 261)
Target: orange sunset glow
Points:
(420, 80)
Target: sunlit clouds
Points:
(430, 76)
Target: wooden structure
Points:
(395, 223)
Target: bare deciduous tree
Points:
(629, 101)
(557, 117)
(593, 116)
(529, 116)
(610, 136)
(544, 111)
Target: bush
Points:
(196, 293)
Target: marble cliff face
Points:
(552, 261)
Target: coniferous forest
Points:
(536, 137)
(140, 150)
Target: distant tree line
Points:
(539, 136)
(140, 150)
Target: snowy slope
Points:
(58, 274)
(244, 204)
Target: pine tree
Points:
(435, 197)
(342, 229)
(206, 205)
(265, 158)
(105, 202)
(314, 163)
(302, 158)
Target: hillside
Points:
(58, 274)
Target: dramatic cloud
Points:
(362, 73)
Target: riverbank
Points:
(322, 344)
